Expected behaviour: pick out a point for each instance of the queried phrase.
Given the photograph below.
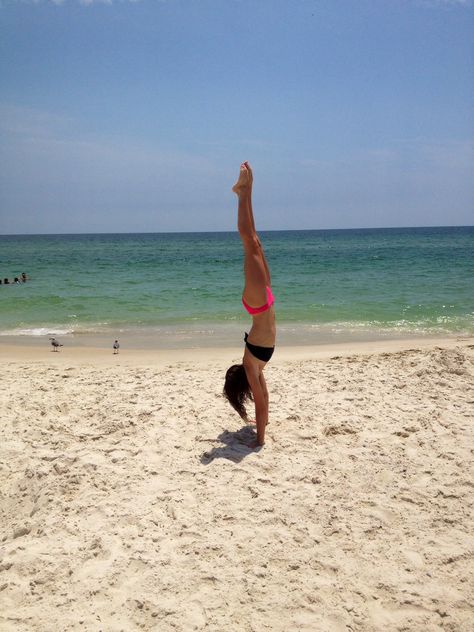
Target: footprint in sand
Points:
(333, 430)
(414, 558)
(195, 617)
(386, 516)
(400, 616)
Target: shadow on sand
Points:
(236, 446)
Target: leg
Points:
(267, 270)
(257, 275)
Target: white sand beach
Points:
(129, 500)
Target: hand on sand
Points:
(244, 183)
(252, 421)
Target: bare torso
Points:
(263, 330)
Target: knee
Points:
(245, 231)
(251, 242)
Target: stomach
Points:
(263, 330)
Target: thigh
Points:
(256, 277)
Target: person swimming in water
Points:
(245, 382)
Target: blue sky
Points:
(131, 116)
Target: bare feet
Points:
(244, 183)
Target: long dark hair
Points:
(237, 389)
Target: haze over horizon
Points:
(231, 230)
(133, 116)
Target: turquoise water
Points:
(383, 282)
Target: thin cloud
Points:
(24, 122)
(444, 3)
(4, 3)
(56, 177)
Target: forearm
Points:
(261, 419)
(260, 398)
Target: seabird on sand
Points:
(55, 344)
(116, 346)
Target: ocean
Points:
(184, 289)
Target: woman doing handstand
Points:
(245, 381)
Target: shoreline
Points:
(204, 334)
(11, 352)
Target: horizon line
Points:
(204, 232)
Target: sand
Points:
(129, 500)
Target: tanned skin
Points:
(257, 278)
